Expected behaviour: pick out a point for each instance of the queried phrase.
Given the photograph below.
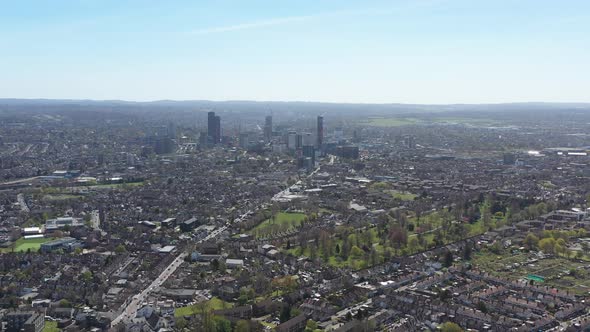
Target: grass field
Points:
(50, 327)
(60, 197)
(397, 122)
(269, 325)
(282, 221)
(390, 122)
(213, 304)
(117, 185)
(469, 121)
(21, 244)
(404, 196)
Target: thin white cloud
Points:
(252, 25)
(288, 19)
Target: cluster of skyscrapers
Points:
(305, 146)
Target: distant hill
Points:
(258, 106)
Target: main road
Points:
(130, 307)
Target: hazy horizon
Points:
(281, 101)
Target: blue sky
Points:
(419, 51)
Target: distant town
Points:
(290, 217)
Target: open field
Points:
(390, 122)
(82, 189)
(61, 197)
(21, 244)
(406, 121)
(268, 325)
(117, 185)
(212, 304)
(50, 327)
(468, 121)
(402, 195)
(282, 222)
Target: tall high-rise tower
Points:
(320, 131)
(268, 128)
(171, 130)
(217, 129)
(210, 127)
(213, 128)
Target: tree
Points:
(285, 313)
(531, 241)
(487, 218)
(398, 236)
(87, 276)
(444, 294)
(450, 327)
(206, 315)
(448, 259)
(286, 283)
(311, 326)
(313, 252)
(481, 306)
(496, 248)
(120, 249)
(414, 244)
(222, 324)
(533, 211)
(374, 257)
(458, 231)
(560, 250)
(246, 294)
(348, 316)
(214, 264)
(547, 245)
(345, 250)
(356, 252)
(421, 240)
(65, 303)
(242, 326)
(467, 252)
(561, 246)
(261, 283)
(180, 323)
